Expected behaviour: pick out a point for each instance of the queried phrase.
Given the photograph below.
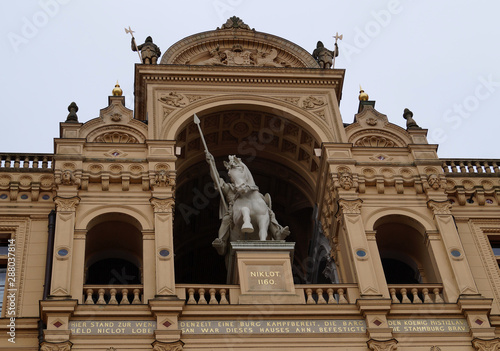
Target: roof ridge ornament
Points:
(235, 23)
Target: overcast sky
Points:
(440, 59)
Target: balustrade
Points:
(416, 294)
(116, 295)
(26, 161)
(331, 295)
(468, 166)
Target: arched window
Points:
(113, 252)
(404, 255)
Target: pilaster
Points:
(164, 245)
(63, 246)
(453, 246)
(349, 214)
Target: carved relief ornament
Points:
(345, 181)
(486, 345)
(440, 208)
(163, 205)
(350, 206)
(163, 346)
(66, 204)
(60, 346)
(387, 345)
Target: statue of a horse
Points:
(250, 211)
(248, 215)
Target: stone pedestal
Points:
(264, 272)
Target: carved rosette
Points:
(60, 346)
(387, 345)
(486, 345)
(168, 346)
(163, 205)
(66, 204)
(350, 206)
(440, 207)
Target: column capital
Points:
(382, 345)
(56, 346)
(440, 207)
(163, 205)
(168, 346)
(350, 206)
(486, 345)
(66, 204)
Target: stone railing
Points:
(206, 295)
(26, 162)
(317, 294)
(112, 295)
(325, 294)
(416, 294)
(470, 166)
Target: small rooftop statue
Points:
(73, 109)
(410, 122)
(324, 56)
(236, 23)
(149, 51)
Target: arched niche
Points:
(113, 251)
(289, 177)
(405, 256)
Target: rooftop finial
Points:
(410, 122)
(72, 117)
(362, 95)
(117, 91)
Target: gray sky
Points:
(440, 59)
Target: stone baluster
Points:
(124, 300)
(321, 299)
(416, 298)
(213, 300)
(112, 299)
(223, 298)
(393, 296)
(7, 162)
(89, 300)
(496, 169)
(100, 300)
(437, 296)
(191, 300)
(202, 300)
(17, 162)
(310, 300)
(331, 298)
(45, 163)
(137, 298)
(427, 298)
(342, 297)
(487, 167)
(405, 298)
(26, 163)
(35, 162)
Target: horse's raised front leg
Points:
(263, 226)
(247, 223)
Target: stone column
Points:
(164, 245)
(349, 214)
(453, 246)
(63, 246)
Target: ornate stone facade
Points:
(390, 248)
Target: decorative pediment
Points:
(372, 129)
(115, 124)
(235, 44)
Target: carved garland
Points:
(486, 345)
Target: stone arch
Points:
(95, 215)
(406, 259)
(405, 216)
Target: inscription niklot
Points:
(273, 326)
(106, 327)
(265, 278)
